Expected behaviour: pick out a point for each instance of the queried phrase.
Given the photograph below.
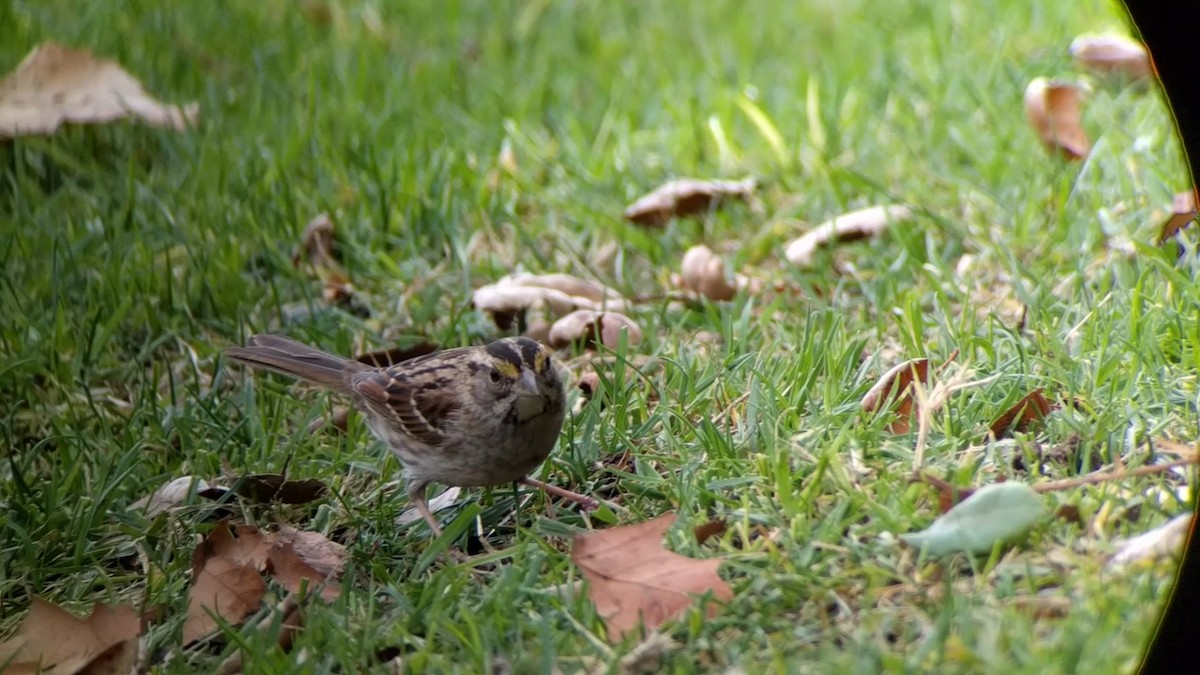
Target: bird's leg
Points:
(587, 502)
(423, 507)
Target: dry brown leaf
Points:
(317, 243)
(292, 572)
(896, 384)
(324, 556)
(712, 528)
(225, 578)
(55, 84)
(266, 488)
(632, 579)
(584, 325)
(686, 197)
(1053, 109)
(847, 227)
(704, 273)
(1183, 212)
(1032, 408)
(53, 641)
(554, 294)
(1112, 54)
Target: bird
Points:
(467, 417)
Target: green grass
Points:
(133, 256)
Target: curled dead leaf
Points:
(1031, 408)
(584, 326)
(55, 84)
(633, 579)
(847, 227)
(317, 244)
(1112, 54)
(686, 197)
(554, 294)
(896, 385)
(52, 640)
(1054, 113)
(704, 273)
(1183, 212)
(298, 557)
(266, 488)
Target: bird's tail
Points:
(284, 355)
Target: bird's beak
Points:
(528, 385)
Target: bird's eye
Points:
(495, 375)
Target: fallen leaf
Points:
(1053, 109)
(55, 84)
(848, 227)
(896, 384)
(686, 197)
(996, 513)
(337, 291)
(324, 556)
(1183, 212)
(225, 578)
(1161, 542)
(1032, 408)
(712, 528)
(389, 357)
(704, 273)
(267, 488)
(632, 579)
(307, 557)
(317, 243)
(1112, 54)
(584, 326)
(556, 295)
(588, 384)
(53, 641)
(175, 493)
(338, 421)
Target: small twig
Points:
(1094, 478)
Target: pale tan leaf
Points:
(1112, 53)
(704, 273)
(1054, 113)
(633, 580)
(51, 640)
(584, 326)
(1161, 542)
(847, 227)
(174, 494)
(686, 197)
(55, 84)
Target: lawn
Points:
(454, 143)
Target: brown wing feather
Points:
(421, 413)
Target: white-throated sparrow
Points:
(468, 417)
